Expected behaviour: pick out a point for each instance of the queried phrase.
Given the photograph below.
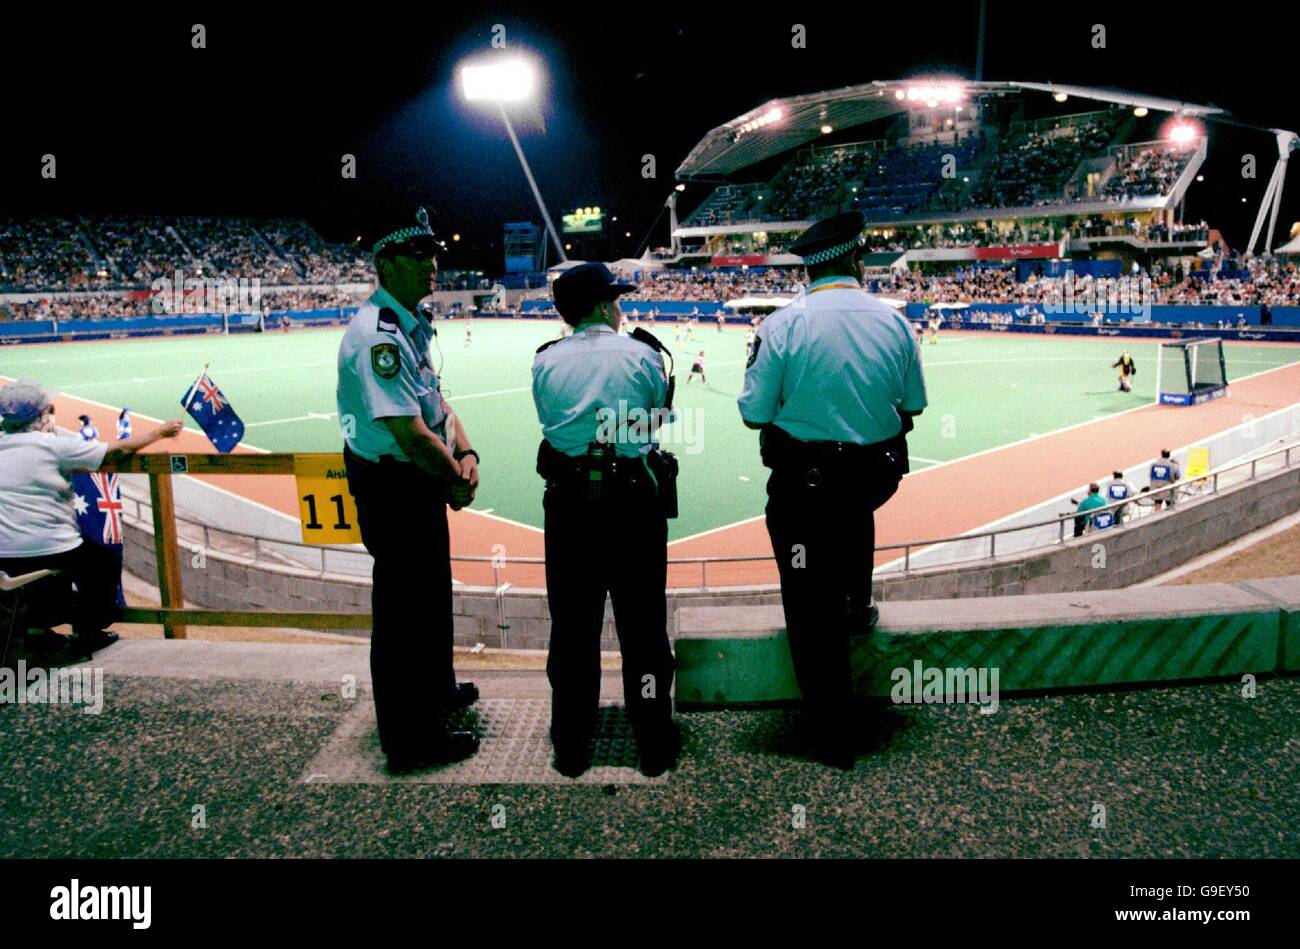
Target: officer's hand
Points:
(469, 471)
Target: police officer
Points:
(609, 490)
(832, 384)
(403, 470)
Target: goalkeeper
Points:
(1127, 367)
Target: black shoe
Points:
(834, 750)
(659, 755)
(463, 696)
(571, 763)
(87, 643)
(457, 746)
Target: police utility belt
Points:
(818, 461)
(602, 475)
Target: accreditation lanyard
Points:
(835, 283)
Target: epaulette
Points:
(387, 320)
(547, 345)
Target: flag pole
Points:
(195, 387)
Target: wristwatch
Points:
(468, 451)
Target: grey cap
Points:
(23, 401)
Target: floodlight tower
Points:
(1271, 203)
(501, 80)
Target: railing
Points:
(1015, 539)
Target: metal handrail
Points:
(907, 547)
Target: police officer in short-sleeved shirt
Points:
(600, 398)
(406, 461)
(832, 384)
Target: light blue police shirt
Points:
(384, 372)
(596, 385)
(835, 364)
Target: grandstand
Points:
(943, 169)
(64, 254)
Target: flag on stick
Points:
(209, 407)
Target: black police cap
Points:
(577, 291)
(831, 238)
(409, 237)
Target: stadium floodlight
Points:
(1141, 112)
(504, 80)
(1182, 133)
(508, 80)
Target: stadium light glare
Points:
(1141, 112)
(1200, 177)
(681, 187)
(827, 129)
(1060, 96)
(503, 80)
(1182, 133)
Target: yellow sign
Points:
(325, 506)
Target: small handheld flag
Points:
(209, 407)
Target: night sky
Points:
(256, 123)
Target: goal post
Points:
(1189, 372)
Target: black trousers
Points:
(823, 538)
(402, 512)
(95, 570)
(619, 546)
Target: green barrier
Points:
(722, 670)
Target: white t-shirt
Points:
(36, 512)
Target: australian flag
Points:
(97, 497)
(211, 409)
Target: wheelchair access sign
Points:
(325, 507)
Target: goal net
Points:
(1190, 372)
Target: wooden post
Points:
(165, 550)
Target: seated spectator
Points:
(1119, 489)
(1094, 500)
(38, 524)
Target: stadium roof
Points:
(779, 125)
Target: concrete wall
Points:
(1152, 546)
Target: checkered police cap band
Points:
(404, 234)
(830, 253)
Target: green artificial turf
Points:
(985, 391)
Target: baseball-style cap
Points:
(23, 401)
(831, 238)
(577, 291)
(411, 238)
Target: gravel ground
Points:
(1194, 771)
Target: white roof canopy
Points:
(779, 125)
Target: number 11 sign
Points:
(325, 507)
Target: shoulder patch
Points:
(385, 360)
(753, 353)
(547, 345)
(387, 320)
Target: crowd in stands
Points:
(45, 254)
(91, 306)
(1263, 281)
(1031, 169)
(1027, 168)
(106, 253)
(1147, 172)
